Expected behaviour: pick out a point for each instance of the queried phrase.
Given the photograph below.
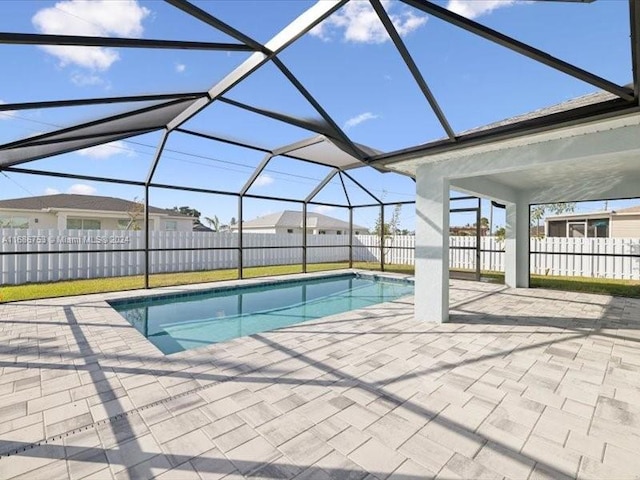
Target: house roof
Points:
(571, 109)
(569, 216)
(571, 104)
(293, 219)
(628, 210)
(79, 202)
(635, 210)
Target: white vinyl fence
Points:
(219, 251)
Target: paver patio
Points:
(523, 384)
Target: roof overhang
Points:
(587, 161)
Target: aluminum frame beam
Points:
(52, 141)
(362, 187)
(520, 47)
(116, 42)
(413, 68)
(98, 101)
(321, 185)
(256, 173)
(30, 140)
(100, 139)
(217, 138)
(292, 147)
(156, 157)
(634, 13)
(344, 189)
(336, 130)
(298, 27)
(206, 17)
(291, 120)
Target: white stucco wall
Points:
(589, 162)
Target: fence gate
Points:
(472, 262)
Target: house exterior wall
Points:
(260, 230)
(44, 219)
(625, 226)
(108, 220)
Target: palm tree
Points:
(214, 223)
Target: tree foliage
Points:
(214, 223)
(186, 210)
(135, 212)
(538, 212)
(392, 227)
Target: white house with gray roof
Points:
(289, 221)
(66, 211)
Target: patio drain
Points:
(113, 419)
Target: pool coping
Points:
(267, 281)
(240, 286)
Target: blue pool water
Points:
(180, 322)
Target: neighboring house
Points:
(623, 223)
(289, 221)
(86, 212)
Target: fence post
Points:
(146, 235)
(304, 237)
(240, 239)
(350, 236)
(478, 240)
(382, 237)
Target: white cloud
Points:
(476, 8)
(359, 23)
(105, 150)
(358, 119)
(324, 209)
(121, 18)
(6, 114)
(263, 180)
(87, 80)
(51, 191)
(81, 189)
(180, 67)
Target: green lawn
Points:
(624, 288)
(606, 286)
(30, 291)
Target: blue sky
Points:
(347, 63)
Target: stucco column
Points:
(516, 264)
(432, 246)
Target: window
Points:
(83, 224)
(598, 228)
(289, 230)
(171, 225)
(14, 222)
(125, 224)
(322, 232)
(557, 229)
(577, 230)
(338, 232)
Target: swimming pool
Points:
(180, 322)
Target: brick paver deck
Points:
(522, 384)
